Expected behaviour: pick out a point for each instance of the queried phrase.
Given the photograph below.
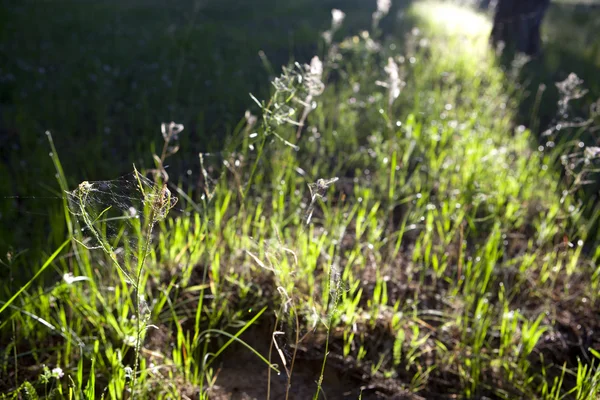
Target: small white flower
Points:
(251, 119)
(592, 152)
(314, 77)
(316, 67)
(337, 17)
(170, 130)
(130, 340)
(58, 372)
(383, 6)
(395, 84)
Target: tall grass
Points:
(379, 212)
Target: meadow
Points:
(303, 200)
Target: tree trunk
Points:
(517, 24)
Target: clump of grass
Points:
(156, 201)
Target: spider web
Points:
(117, 217)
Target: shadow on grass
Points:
(103, 76)
(570, 46)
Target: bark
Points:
(517, 24)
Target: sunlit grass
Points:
(454, 20)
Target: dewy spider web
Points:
(117, 216)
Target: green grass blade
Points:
(42, 269)
(236, 337)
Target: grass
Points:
(409, 239)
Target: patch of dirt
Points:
(243, 376)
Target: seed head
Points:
(383, 6)
(337, 17)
